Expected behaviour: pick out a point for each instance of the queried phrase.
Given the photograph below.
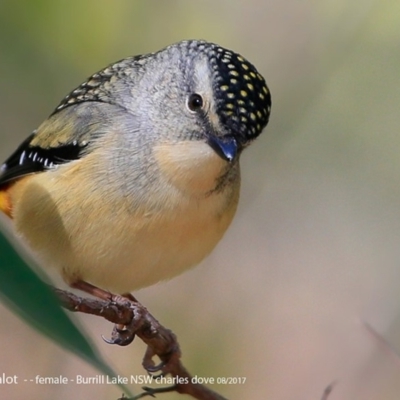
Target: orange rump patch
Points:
(5, 202)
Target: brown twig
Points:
(137, 321)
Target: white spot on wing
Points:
(21, 158)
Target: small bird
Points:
(135, 176)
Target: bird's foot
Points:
(121, 335)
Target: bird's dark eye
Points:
(195, 102)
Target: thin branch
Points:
(133, 319)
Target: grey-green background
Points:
(314, 251)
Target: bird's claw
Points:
(151, 369)
(122, 338)
(167, 364)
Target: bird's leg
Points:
(121, 334)
(93, 290)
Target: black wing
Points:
(29, 159)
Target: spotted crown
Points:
(243, 98)
(242, 95)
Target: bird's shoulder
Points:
(64, 137)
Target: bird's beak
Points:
(225, 147)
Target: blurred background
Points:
(314, 251)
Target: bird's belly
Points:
(118, 250)
(159, 251)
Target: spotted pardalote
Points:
(135, 175)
